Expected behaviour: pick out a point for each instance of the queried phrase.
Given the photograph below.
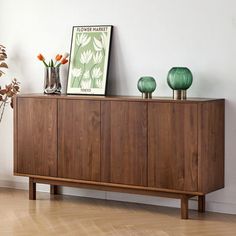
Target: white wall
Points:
(149, 38)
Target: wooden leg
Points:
(32, 189)
(184, 207)
(53, 189)
(201, 203)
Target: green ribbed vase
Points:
(179, 79)
(146, 85)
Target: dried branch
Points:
(10, 90)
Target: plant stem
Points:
(45, 63)
(1, 104)
(4, 105)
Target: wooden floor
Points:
(67, 215)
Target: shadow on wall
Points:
(205, 85)
(117, 80)
(18, 66)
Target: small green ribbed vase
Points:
(146, 85)
(179, 79)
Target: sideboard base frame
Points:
(184, 197)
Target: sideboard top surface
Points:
(118, 98)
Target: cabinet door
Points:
(124, 142)
(172, 142)
(79, 139)
(36, 142)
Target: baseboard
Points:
(221, 207)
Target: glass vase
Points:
(52, 84)
(146, 85)
(179, 79)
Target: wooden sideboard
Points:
(159, 146)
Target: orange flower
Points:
(64, 61)
(58, 57)
(40, 57)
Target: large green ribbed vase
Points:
(146, 85)
(179, 79)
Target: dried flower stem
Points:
(3, 105)
(9, 91)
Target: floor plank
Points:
(69, 215)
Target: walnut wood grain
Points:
(211, 131)
(124, 142)
(36, 141)
(54, 189)
(172, 142)
(183, 197)
(201, 203)
(158, 147)
(107, 185)
(15, 133)
(118, 98)
(79, 139)
(184, 207)
(112, 187)
(32, 189)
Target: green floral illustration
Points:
(87, 66)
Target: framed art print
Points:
(89, 60)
